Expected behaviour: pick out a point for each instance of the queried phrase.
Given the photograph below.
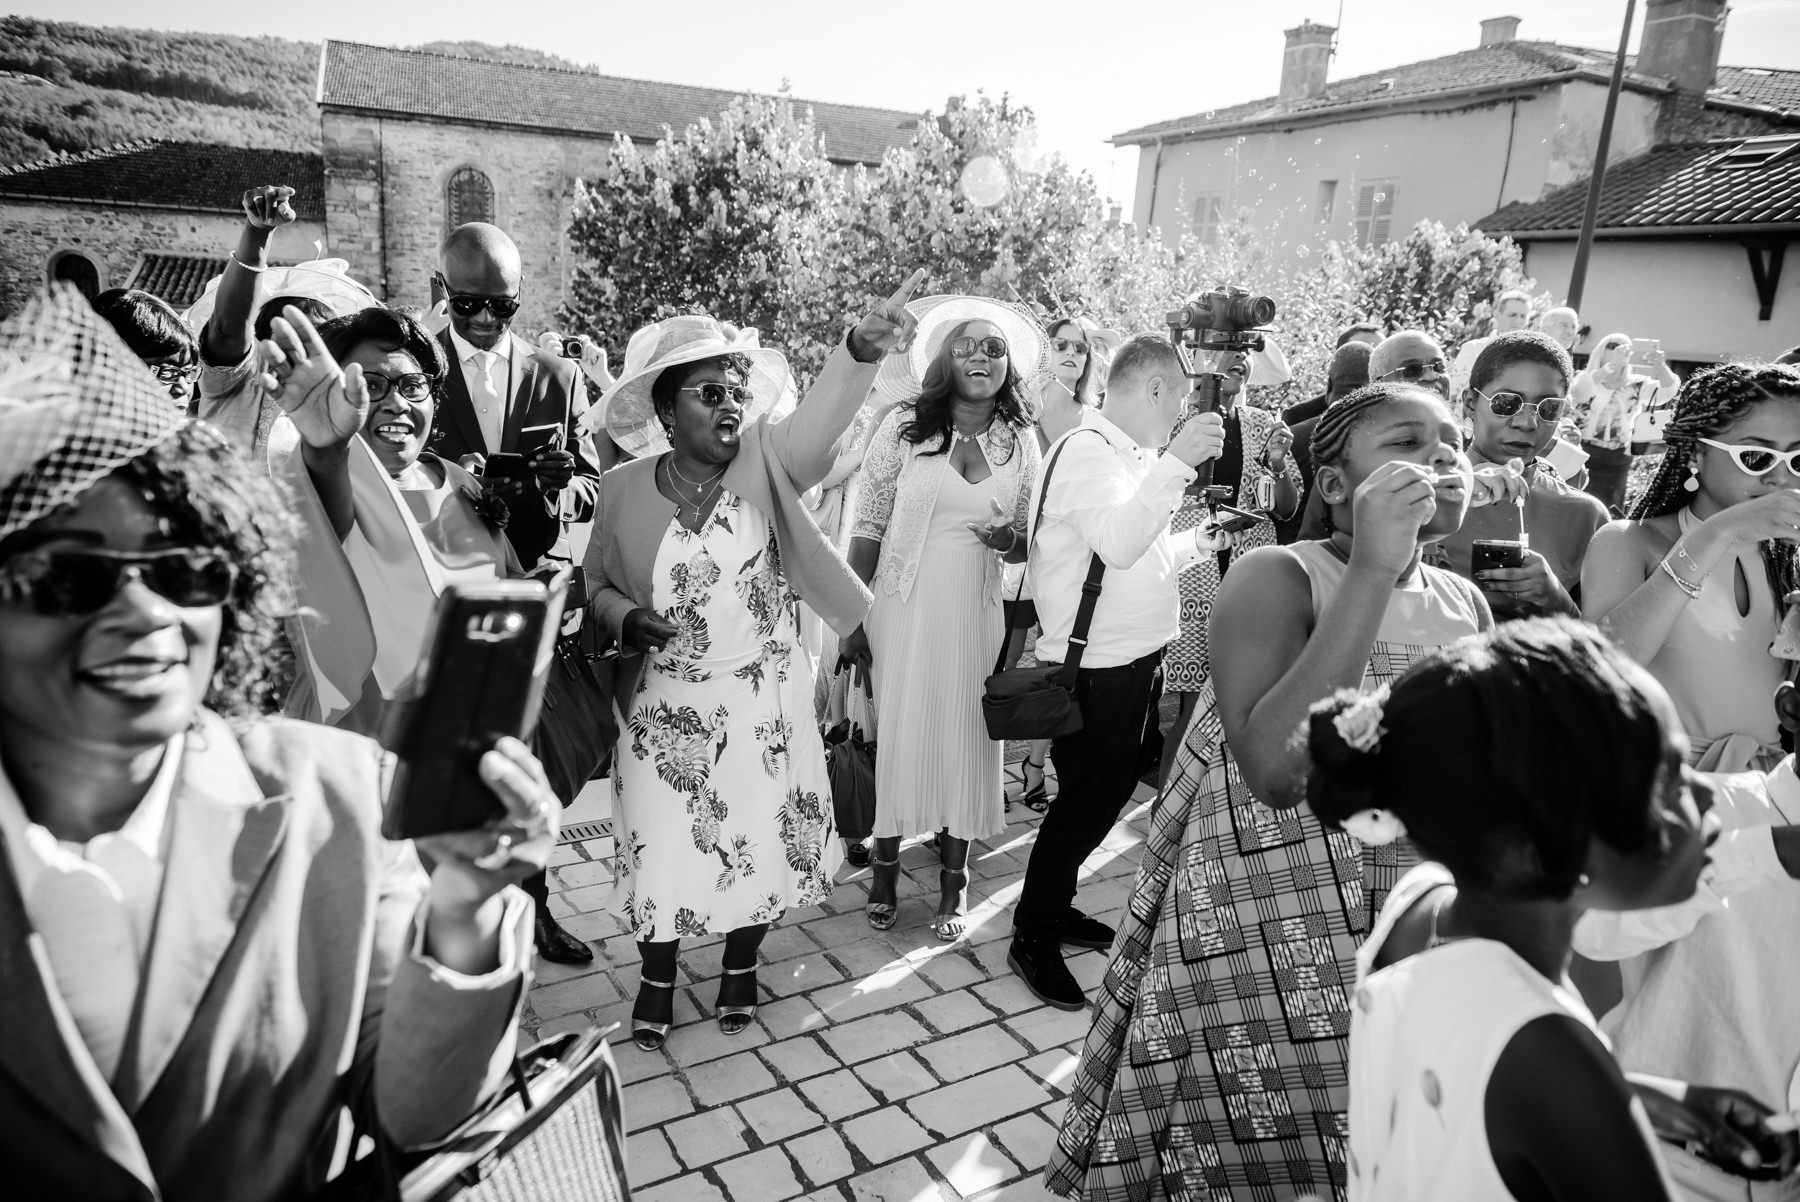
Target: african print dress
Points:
(1217, 1064)
(721, 806)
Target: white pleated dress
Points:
(935, 766)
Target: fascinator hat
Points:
(327, 281)
(901, 377)
(626, 411)
(75, 405)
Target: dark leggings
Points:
(741, 946)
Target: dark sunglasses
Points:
(412, 386)
(75, 583)
(467, 305)
(1064, 345)
(1414, 372)
(168, 373)
(993, 346)
(713, 393)
(1506, 404)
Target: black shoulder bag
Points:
(1040, 702)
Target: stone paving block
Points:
(1028, 1139)
(994, 1095)
(822, 1157)
(1089, 971)
(951, 971)
(954, 1011)
(864, 956)
(622, 952)
(591, 927)
(1047, 1027)
(836, 1095)
(650, 1158)
(1055, 1068)
(1053, 1113)
(585, 872)
(587, 898)
(548, 972)
(885, 1134)
(798, 1059)
(896, 1077)
(691, 1188)
(765, 1176)
(565, 854)
(802, 974)
(785, 942)
(705, 1138)
(883, 991)
(971, 1052)
(577, 1021)
(789, 1017)
(805, 914)
(903, 1181)
(876, 1035)
(842, 930)
(652, 1103)
(1030, 1188)
(581, 993)
(778, 1114)
(635, 1065)
(1008, 994)
(727, 1080)
(972, 1163)
(559, 906)
(698, 1042)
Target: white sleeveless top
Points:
(1425, 1035)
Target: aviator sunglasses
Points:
(78, 582)
(713, 394)
(1063, 346)
(993, 346)
(1415, 372)
(1506, 404)
(1757, 461)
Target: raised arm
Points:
(327, 405)
(229, 332)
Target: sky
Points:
(1088, 70)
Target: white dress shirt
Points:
(1109, 496)
(488, 375)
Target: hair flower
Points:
(1359, 725)
(1374, 828)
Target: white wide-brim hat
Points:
(327, 281)
(902, 376)
(626, 411)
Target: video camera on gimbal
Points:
(1229, 320)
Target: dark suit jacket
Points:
(1293, 415)
(279, 969)
(546, 390)
(1290, 530)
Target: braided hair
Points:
(1331, 435)
(1710, 401)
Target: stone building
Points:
(417, 142)
(155, 215)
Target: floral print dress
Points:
(722, 807)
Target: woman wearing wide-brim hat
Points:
(947, 479)
(701, 546)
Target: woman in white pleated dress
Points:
(948, 478)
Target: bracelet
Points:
(1013, 545)
(246, 266)
(1682, 552)
(1681, 582)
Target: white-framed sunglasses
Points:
(1757, 461)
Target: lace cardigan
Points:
(900, 486)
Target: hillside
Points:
(68, 87)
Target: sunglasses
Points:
(75, 583)
(1063, 346)
(1506, 404)
(993, 347)
(168, 373)
(412, 386)
(1758, 461)
(713, 394)
(466, 305)
(1415, 372)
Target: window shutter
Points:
(469, 196)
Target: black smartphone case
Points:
(488, 653)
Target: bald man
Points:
(1563, 325)
(504, 395)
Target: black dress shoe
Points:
(1081, 931)
(557, 945)
(856, 853)
(1039, 963)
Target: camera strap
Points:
(1090, 588)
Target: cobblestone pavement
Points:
(881, 1065)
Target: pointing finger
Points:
(906, 290)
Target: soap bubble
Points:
(1027, 156)
(984, 181)
(1302, 250)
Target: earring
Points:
(1692, 483)
(1584, 880)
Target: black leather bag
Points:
(576, 727)
(1040, 702)
(850, 766)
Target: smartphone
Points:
(547, 437)
(489, 649)
(1644, 351)
(1486, 554)
(508, 465)
(1233, 520)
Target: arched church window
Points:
(470, 196)
(76, 268)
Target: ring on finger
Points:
(499, 856)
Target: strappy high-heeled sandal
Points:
(1036, 797)
(950, 927)
(881, 915)
(650, 1036)
(733, 1019)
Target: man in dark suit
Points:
(505, 396)
(1349, 371)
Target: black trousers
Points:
(1096, 770)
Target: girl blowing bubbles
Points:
(1475, 1070)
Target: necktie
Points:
(484, 391)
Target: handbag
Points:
(576, 727)
(1040, 702)
(850, 766)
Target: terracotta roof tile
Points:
(1761, 87)
(452, 88)
(178, 279)
(177, 175)
(1668, 187)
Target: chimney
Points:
(1305, 61)
(1497, 31)
(1681, 41)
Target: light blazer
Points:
(280, 962)
(546, 390)
(776, 462)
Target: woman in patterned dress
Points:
(702, 549)
(1215, 1068)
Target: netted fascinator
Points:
(75, 405)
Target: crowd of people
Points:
(1470, 872)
